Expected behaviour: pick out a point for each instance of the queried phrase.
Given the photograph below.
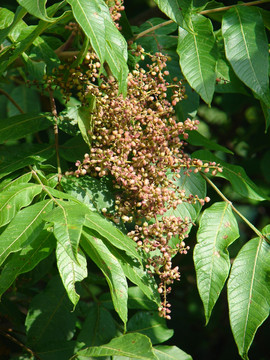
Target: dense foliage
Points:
(107, 176)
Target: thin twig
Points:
(16, 341)
(12, 100)
(55, 128)
(204, 12)
(234, 208)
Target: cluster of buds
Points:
(116, 7)
(138, 141)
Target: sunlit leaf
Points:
(70, 271)
(14, 198)
(112, 270)
(246, 47)
(165, 352)
(198, 56)
(249, 292)
(218, 229)
(23, 229)
(130, 345)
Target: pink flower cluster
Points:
(138, 141)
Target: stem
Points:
(257, 232)
(204, 12)
(55, 128)
(16, 341)
(12, 100)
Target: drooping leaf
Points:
(246, 48)
(136, 273)
(151, 325)
(37, 8)
(235, 174)
(14, 198)
(19, 156)
(130, 345)
(90, 16)
(27, 259)
(50, 318)
(109, 265)
(9, 21)
(198, 56)
(109, 44)
(68, 219)
(110, 232)
(19, 126)
(249, 292)
(70, 271)
(165, 352)
(98, 327)
(23, 229)
(218, 229)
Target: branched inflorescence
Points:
(138, 141)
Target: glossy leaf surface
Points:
(249, 292)
(198, 56)
(246, 48)
(218, 229)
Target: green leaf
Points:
(98, 328)
(19, 126)
(112, 270)
(165, 352)
(266, 113)
(90, 16)
(136, 273)
(236, 175)
(85, 123)
(13, 158)
(151, 325)
(14, 198)
(130, 345)
(249, 292)
(197, 139)
(110, 46)
(27, 99)
(138, 300)
(172, 9)
(50, 318)
(37, 8)
(57, 350)
(23, 229)
(68, 220)
(70, 271)
(9, 21)
(9, 182)
(246, 48)
(218, 229)
(110, 232)
(193, 184)
(198, 56)
(97, 194)
(27, 259)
